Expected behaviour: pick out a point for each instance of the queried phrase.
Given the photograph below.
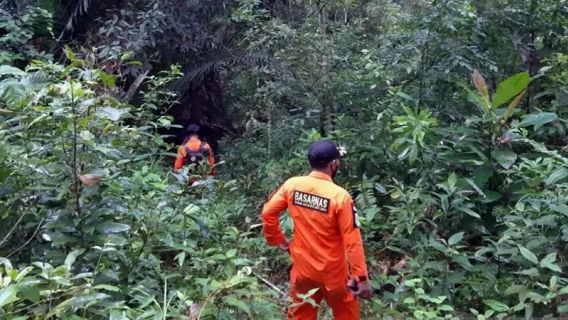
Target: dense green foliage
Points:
(453, 114)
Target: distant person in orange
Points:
(326, 249)
(194, 150)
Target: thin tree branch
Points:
(76, 186)
(271, 285)
(135, 85)
(13, 229)
(29, 240)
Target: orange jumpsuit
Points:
(193, 143)
(326, 248)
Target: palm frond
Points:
(78, 8)
(194, 76)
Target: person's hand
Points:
(360, 289)
(284, 246)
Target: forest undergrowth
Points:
(456, 158)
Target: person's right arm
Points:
(180, 160)
(271, 218)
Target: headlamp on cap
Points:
(342, 151)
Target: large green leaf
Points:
(469, 212)
(463, 261)
(475, 98)
(528, 254)
(563, 291)
(481, 175)
(560, 208)
(505, 158)
(8, 295)
(556, 176)
(456, 238)
(496, 305)
(515, 289)
(71, 257)
(113, 114)
(548, 262)
(563, 308)
(9, 70)
(112, 227)
(452, 180)
(29, 292)
(202, 225)
(235, 302)
(531, 272)
(510, 87)
(538, 119)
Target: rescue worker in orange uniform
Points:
(194, 150)
(326, 249)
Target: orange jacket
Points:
(193, 143)
(326, 228)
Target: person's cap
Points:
(192, 128)
(323, 151)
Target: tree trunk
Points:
(203, 105)
(324, 65)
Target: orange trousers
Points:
(340, 300)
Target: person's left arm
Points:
(210, 159)
(348, 222)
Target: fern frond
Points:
(11, 92)
(366, 196)
(35, 81)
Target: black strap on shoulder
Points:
(203, 149)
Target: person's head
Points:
(192, 129)
(324, 155)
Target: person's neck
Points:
(325, 171)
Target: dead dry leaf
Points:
(480, 84)
(90, 179)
